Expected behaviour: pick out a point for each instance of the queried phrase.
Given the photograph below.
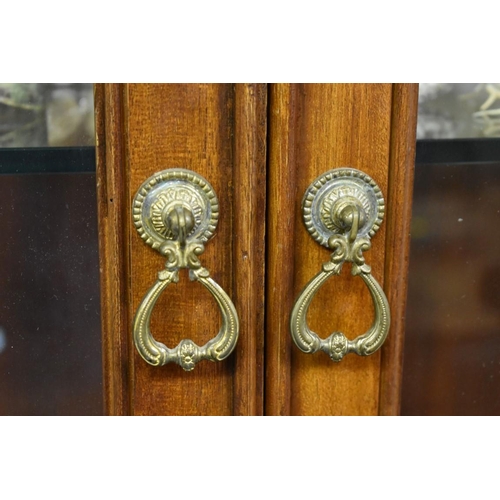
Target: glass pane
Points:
(46, 114)
(50, 348)
(50, 335)
(452, 356)
(452, 344)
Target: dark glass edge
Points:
(457, 151)
(47, 160)
(82, 159)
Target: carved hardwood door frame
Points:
(259, 146)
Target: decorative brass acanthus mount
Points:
(175, 212)
(342, 210)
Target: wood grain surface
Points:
(113, 246)
(249, 245)
(219, 132)
(261, 255)
(398, 215)
(314, 128)
(281, 245)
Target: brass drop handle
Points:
(342, 210)
(175, 212)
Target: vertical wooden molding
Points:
(111, 196)
(282, 193)
(249, 227)
(398, 216)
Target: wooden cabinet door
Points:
(314, 128)
(259, 146)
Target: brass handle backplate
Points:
(176, 212)
(342, 210)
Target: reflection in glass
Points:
(51, 114)
(458, 110)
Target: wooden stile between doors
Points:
(261, 254)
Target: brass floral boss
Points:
(342, 210)
(176, 212)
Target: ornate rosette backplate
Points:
(330, 189)
(176, 212)
(342, 210)
(169, 188)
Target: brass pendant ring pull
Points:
(175, 212)
(342, 210)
